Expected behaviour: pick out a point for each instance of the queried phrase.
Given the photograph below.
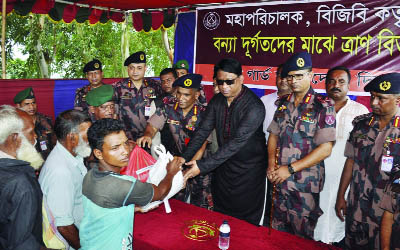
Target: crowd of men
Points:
(318, 166)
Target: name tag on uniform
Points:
(173, 122)
(386, 163)
(43, 145)
(147, 111)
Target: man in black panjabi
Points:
(240, 162)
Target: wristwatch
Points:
(290, 168)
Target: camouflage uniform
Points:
(365, 146)
(182, 129)
(391, 203)
(80, 101)
(132, 102)
(80, 98)
(300, 130)
(46, 138)
(166, 136)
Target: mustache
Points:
(336, 89)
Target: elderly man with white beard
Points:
(20, 194)
(62, 174)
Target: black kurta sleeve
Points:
(252, 119)
(205, 128)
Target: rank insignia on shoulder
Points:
(308, 98)
(396, 122)
(282, 108)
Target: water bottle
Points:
(224, 235)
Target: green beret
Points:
(24, 94)
(100, 95)
(190, 81)
(92, 65)
(181, 64)
(385, 84)
(138, 57)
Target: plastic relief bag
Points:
(157, 173)
(140, 162)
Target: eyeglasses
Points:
(298, 77)
(228, 82)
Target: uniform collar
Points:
(394, 122)
(308, 97)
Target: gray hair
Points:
(68, 122)
(10, 122)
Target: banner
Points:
(361, 35)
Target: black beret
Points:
(24, 94)
(298, 61)
(192, 81)
(385, 84)
(138, 57)
(92, 65)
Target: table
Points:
(187, 226)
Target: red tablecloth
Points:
(158, 230)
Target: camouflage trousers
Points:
(296, 213)
(199, 190)
(360, 235)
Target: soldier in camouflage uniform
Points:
(390, 224)
(182, 68)
(303, 129)
(94, 74)
(182, 118)
(371, 151)
(133, 96)
(46, 138)
(164, 137)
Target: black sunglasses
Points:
(228, 82)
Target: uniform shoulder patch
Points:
(361, 118)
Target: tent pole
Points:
(3, 39)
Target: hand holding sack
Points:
(143, 167)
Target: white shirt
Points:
(329, 227)
(270, 108)
(5, 155)
(61, 182)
